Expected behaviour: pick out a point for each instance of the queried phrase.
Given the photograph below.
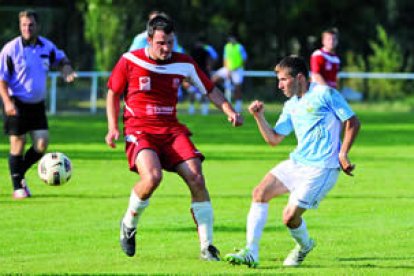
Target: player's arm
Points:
(256, 108)
(6, 70)
(316, 64)
(316, 77)
(351, 128)
(221, 103)
(9, 107)
(62, 62)
(112, 113)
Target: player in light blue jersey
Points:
(316, 114)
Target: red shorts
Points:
(172, 149)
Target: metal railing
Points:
(94, 76)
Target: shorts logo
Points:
(144, 83)
(131, 139)
(176, 82)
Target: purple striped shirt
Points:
(25, 67)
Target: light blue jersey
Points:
(317, 120)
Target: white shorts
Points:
(307, 185)
(236, 75)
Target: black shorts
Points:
(29, 117)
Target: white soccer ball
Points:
(55, 168)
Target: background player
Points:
(205, 56)
(324, 62)
(232, 72)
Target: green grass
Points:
(364, 226)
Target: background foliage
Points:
(96, 32)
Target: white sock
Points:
(238, 106)
(203, 217)
(204, 108)
(300, 235)
(191, 109)
(256, 221)
(135, 209)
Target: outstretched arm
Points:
(221, 103)
(112, 113)
(256, 108)
(351, 128)
(9, 107)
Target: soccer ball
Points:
(54, 168)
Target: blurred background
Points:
(374, 36)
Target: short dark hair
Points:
(29, 13)
(154, 13)
(294, 65)
(332, 30)
(160, 22)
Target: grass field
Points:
(364, 226)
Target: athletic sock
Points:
(204, 108)
(300, 235)
(16, 165)
(203, 217)
(256, 221)
(135, 209)
(191, 109)
(30, 158)
(238, 106)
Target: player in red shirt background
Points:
(325, 63)
(148, 79)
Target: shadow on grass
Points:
(371, 196)
(278, 265)
(381, 266)
(356, 259)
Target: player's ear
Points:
(301, 76)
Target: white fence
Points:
(94, 76)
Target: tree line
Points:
(374, 35)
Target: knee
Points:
(258, 195)
(196, 180)
(41, 145)
(152, 179)
(290, 219)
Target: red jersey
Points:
(150, 90)
(326, 64)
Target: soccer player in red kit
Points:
(148, 79)
(325, 63)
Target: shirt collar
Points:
(26, 43)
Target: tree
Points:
(104, 29)
(386, 57)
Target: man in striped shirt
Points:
(24, 64)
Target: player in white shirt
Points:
(316, 114)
